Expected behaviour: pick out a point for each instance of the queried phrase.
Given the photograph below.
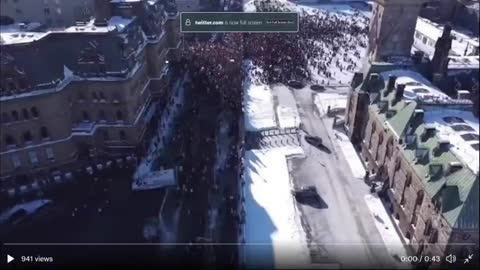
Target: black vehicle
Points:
(317, 88)
(295, 84)
(304, 192)
(314, 140)
(308, 195)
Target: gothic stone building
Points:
(85, 91)
(423, 146)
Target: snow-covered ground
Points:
(258, 102)
(350, 154)
(334, 100)
(273, 234)
(164, 132)
(384, 224)
(287, 112)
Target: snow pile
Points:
(335, 101)
(273, 234)
(258, 102)
(351, 155)
(385, 227)
(287, 112)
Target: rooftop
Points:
(434, 31)
(464, 62)
(20, 33)
(25, 33)
(450, 172)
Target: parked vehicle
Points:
(314, 140)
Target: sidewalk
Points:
(387, 230)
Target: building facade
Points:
(86, 91)
(52, 13)
(390, 36)
(422, 146)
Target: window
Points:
(15, 116)
(470, 137)
(102, 96)
(106, 136)
(428, 227)
(49, 152)
(46, 11)
(81, 97)
(462, 127)
(34, 112)
(9, 140)
(420, 195)
(85, 116)
(27, 137)
(424, 40)
(414, 219)
(94, 96)
(25, 114)
(101, 116)
(44, 133)
(475, 146)
(5, 117)
(433, 237)
(18, 11)
(33, 157)
(16, 162)
(409, 180)
(453, 120)
(417, 34)
(390, 148)
(119, 116)
(123, 136)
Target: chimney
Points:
(103, 12)
(391, 82)
(357, 79)
(418, 57)
(399, 92)
(418, 117)
(442, 147)
(447, 30)
(373, 82)
(428, 132)
(437, 79)
(454, 166)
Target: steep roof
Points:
(457, 190)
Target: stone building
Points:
(86, 91)
(390, 36)
(422, 146)
(56, 13)
(463, 13)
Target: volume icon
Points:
(451, 258)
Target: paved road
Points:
(342, 230)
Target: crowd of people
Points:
(324, 40)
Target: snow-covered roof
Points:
(124, 1)
(416, 86)
(28, 207)
(115, 23)
(460, 128)
(464, 62)
(20, 33)
(434, 30)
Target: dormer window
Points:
(34, 112)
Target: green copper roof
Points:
(457, 191)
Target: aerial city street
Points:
(351, 143)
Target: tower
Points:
(392, 28)
(440, 58)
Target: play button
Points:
(9, 258)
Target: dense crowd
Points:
(325, 40)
